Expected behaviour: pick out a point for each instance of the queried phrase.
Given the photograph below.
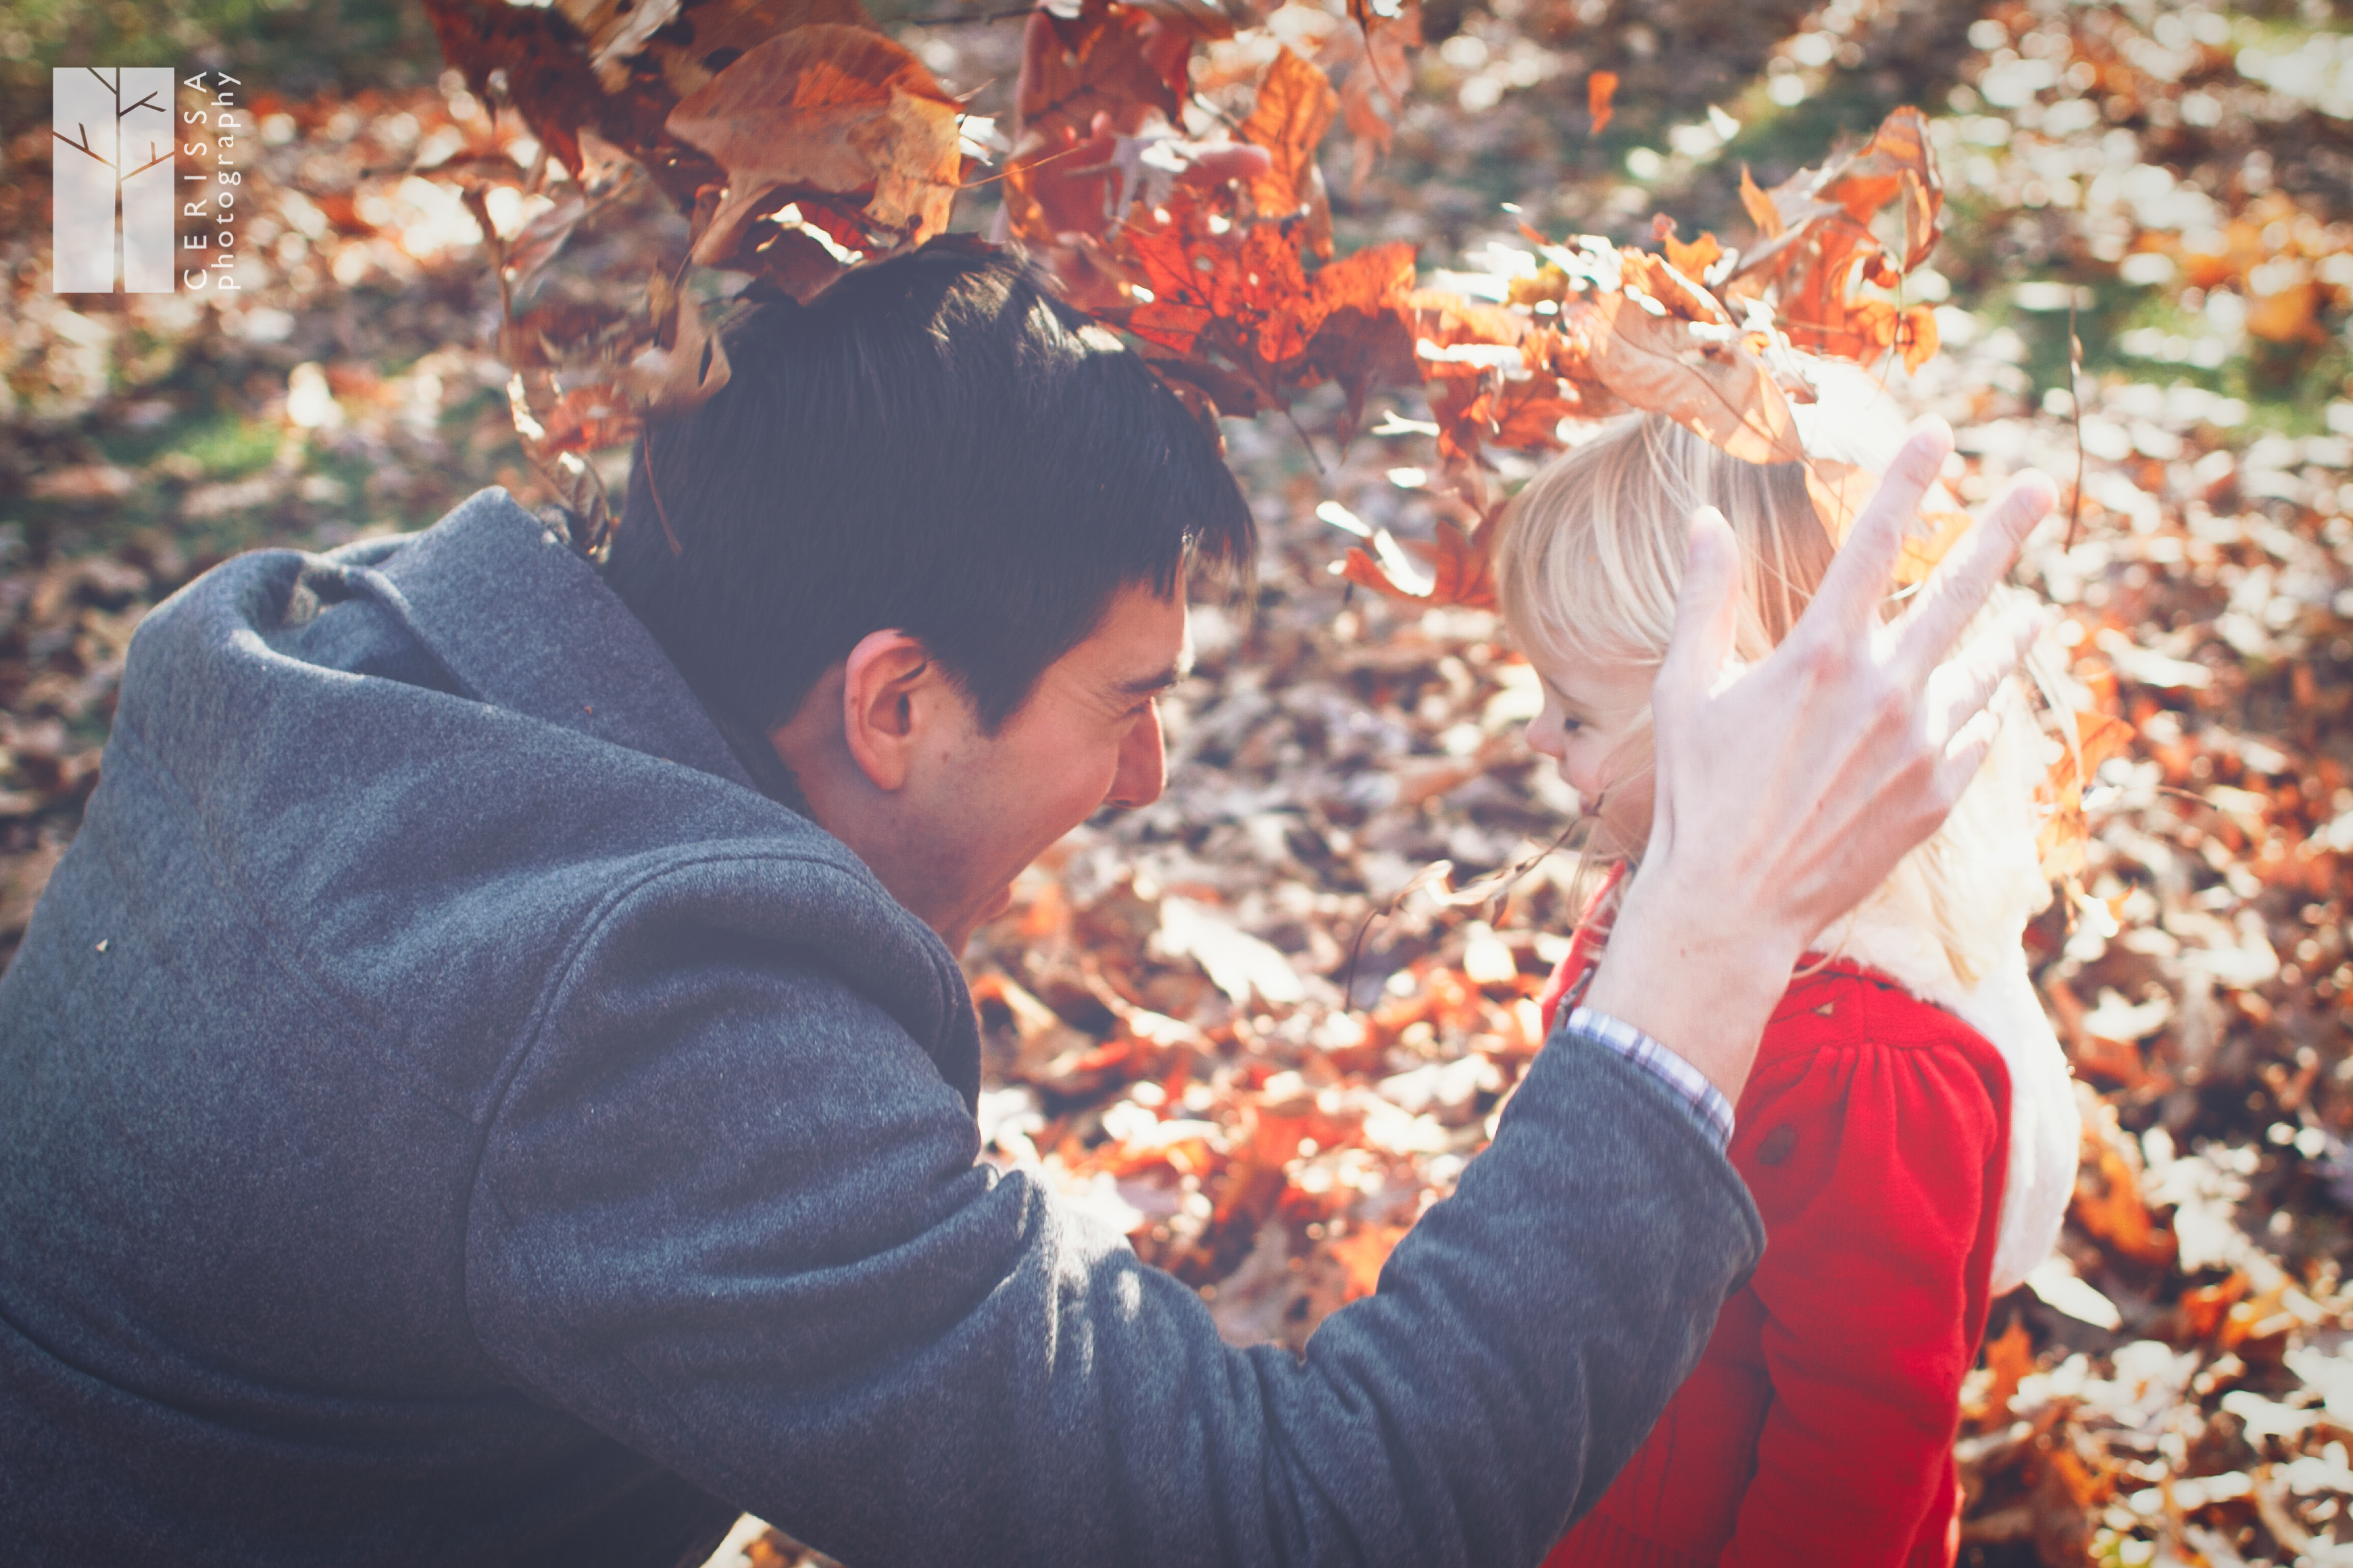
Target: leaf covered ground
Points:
(1248, 1024)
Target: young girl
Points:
(1909, 1129)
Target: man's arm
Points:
(1786, 795)
(730, 1214)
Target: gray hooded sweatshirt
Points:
(449, 1116)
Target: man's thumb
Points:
(1707, 610)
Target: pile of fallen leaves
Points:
(1250, 1025)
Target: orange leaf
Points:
(1295, 107)
(1917, 337)
(2009, 1358)
(1897, 161)
(1599, 89)
(1693, 260)
(1816, 224)
(1447, 319)
(1378, 277)
(2108, 1204)
(1248, 280)
(1921, 553)
(1761, 210)
(1460, 571)
(543, 58)
(1837, 490)
(1361, 1253)
(1717, 388)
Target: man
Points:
(454, 1111)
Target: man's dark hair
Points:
(935, 446)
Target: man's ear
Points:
(892, 689)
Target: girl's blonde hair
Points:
(1588, 563)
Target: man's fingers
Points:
(1960, 687)
(1707, 610)
(1856, 583)
(1965, 753)
(1969, 570)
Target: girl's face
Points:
(1593, 725)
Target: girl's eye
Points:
(1570, 724)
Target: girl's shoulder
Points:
(1845, 1002)
(1842, 1020)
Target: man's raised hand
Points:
(1787, 792)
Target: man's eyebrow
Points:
(1159, 681)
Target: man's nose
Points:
(1143, 765)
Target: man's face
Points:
(1088, 736)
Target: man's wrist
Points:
(1701, 986)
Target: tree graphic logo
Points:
(112, 175)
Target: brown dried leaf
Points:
(1116, 64)
(686, 46)
(830, 111)
(1714, 386)
(548, 79)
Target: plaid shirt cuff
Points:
(1704, 1102)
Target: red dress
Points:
(1818, 1426)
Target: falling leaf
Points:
(1713, 384)
(831, 111)
(544, 61)
(1117, 62)
(1839, 490)
(1248, 280)
(1460, 571)
(2062, 839)
(1600, 87)
(1296, 106)
(1373, 93)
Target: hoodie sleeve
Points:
(730, 1214)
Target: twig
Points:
(645, 453)
(2075, 416)
(1301, 431)
(1500, 884)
